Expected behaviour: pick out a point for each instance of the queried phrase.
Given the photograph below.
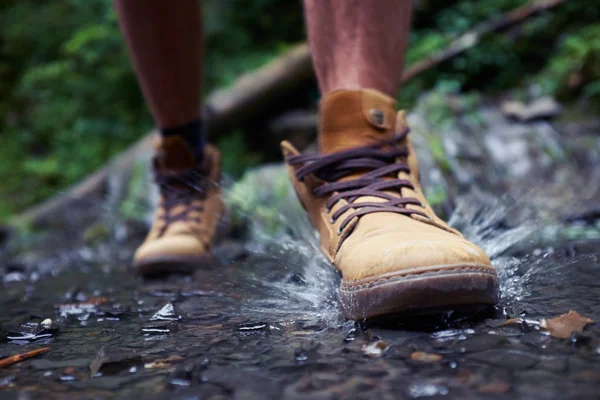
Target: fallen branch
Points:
(8, 361)
(472, 37)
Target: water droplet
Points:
(351, 336)
(419, 389)
(300, 355)
(259, 326)
(179, 382)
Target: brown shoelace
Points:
(182, 188)
(381, 178)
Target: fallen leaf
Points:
(511, 321)
(425, 357)
(497, 387)
(375, 349)
(565, 325)
(162, 362)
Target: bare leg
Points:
(358, 44)
(165, 43)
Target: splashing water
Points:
(302, 284)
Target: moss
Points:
(135, 204)
(436, 195)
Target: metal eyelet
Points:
(377, 116)
(332, 221)
(339, 231)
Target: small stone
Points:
(166, 313)
(425, 357)
(497, 387)
(112, 360)
(161, 328)
(259, 326)
(417, 390)
(31, 331)
(47, 323)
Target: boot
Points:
(362, 194)
(190, 208)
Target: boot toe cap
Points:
(169, 251)
(404, 253)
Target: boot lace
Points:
(182, 188)
(380, 161)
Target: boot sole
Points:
(164, 265)
(444, 288)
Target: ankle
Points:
(192, 133)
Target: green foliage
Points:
(235, 155)
(74, 101)
(576, 63)
(508, 59)
(69, 98)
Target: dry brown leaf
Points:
(425, 357)
(565, 325)
(497, 387)
(511, 322)
(162, 362)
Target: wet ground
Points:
(263, 321)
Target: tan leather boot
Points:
(363, 195)
(190, 208)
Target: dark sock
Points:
(192, 133)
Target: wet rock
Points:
(506, 358)
(418, 390)
(254, 327)
(543, 107)
(7, 380)
(160, 328)
(166, 313)
(246, 385)
(112, 360)
(44, 365)
(496, 387)
(32, 331)
(84, 307)
(14, 276)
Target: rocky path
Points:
(263, 320)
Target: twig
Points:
(8, 361)
(472, 37)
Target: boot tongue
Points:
(174, 155)
(355, 118)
